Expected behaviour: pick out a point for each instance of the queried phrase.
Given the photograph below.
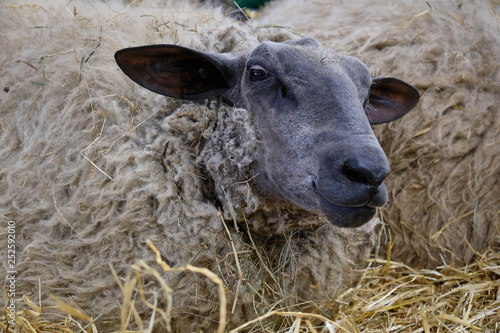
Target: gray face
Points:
(319, 151)
(312, 107)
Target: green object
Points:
(254, 4)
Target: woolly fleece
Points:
(93, 166)
(444, 189)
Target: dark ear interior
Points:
(390, 99)
(173, 71)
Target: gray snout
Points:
(361, 169)
(353, 175)
(349, 182)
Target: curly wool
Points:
(94, 166)
(444, 188)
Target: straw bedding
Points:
(391, 297)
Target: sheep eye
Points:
(258, 73)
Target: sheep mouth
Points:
(350, 214)
(371, 196)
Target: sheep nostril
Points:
(356, 172)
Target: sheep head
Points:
(312, 107)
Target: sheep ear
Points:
(179, 72)
(390, 99)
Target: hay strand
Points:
(200, 270)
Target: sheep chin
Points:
(345, 216)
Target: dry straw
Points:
(391, 297)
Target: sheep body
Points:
(444, 188)
(92, 169)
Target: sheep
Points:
(445, 157)
(316, 148)
(94, 167)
